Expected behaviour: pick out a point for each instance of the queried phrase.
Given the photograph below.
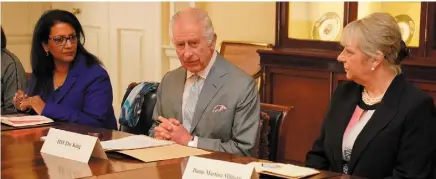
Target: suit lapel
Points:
(179, 87)
(78, 67)
(382, 116)
(211, 86)
(341, 117)
(69, 82)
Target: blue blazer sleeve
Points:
(96, 109)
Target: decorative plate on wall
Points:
(327, 27)
(407, 27)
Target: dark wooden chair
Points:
(28, 75)
(268, 144)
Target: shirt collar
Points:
(203, 73)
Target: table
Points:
(21, 158)
(5, 127)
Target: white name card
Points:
(203, 168)
(72, 145)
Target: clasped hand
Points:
(171, 129)
(23, 102)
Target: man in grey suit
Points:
(207, 103)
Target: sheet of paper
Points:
(163, 152)
(19, 121)
(283, 170)
(133, 142)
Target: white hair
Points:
(376, 32)
(198, 15)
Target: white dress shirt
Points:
(189, 82)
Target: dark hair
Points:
(43, 65)
(403, 53)
(3, 39)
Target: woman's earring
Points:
(372, 68)
(47, 54)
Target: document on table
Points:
(283, 170)
(20, 121)
(166, 152)
(133, 142)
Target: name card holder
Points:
(72, 145)
(203, 168)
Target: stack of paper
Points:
(283, 170)
(20, 121)
(150, 149)
(133, 142)
(166, 152)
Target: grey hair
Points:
(198, 15)
(376, 32)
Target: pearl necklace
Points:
(369, 100)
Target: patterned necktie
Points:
(191, 102)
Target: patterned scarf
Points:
(132, 105)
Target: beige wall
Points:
(236, 21)
(242, 21)
(18, 20)
(165, 35)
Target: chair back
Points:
(146, 117)
(28, 75)
(268, 143)
(245, 56)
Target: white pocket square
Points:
(219, 108)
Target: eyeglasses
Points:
(61, 40)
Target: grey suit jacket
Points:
(13, 78)
(233, 130)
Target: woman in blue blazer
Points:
(68, 83)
